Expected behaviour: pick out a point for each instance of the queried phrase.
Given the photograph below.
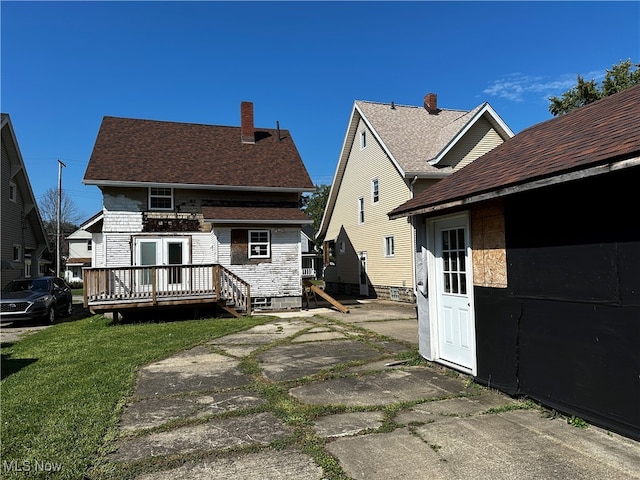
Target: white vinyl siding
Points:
(371, 163)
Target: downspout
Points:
(413, 244)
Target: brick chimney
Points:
(431, 103)
(247, 131)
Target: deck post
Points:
(215, 272)
(85, 288)
(154, 272)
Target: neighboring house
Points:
(389, 154)
(80, 245)
(24, 240)
(311, 259)
(532, 261)
(191, 197)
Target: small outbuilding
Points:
(529, 264)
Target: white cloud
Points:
(516, 86)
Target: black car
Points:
(41, 298)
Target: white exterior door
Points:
(165, 252)
(455, 320)
(364, 282)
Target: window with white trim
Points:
(361, 210)
(13, 192)
(259, 244)
(160, 198)
(375, 190)
(389, 246)
(17, 252)
(363, 139)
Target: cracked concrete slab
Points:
(155, 411)
(319, 336)
(405, 330)
(289, 362)
(383, 388)
(457, 407)
(398, 455)
(463, 442)
(197, 369)
(522, 444)
(347, 424)
(254, 429)
(265, 465)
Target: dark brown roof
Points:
(253, 214)
(130, 150)
(604, 131)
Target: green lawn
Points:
(62, 388)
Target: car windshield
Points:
(23, 285)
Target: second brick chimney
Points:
(247, 130)
(431, 103)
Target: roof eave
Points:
(437, 208)
(193, 186)
(257, 221)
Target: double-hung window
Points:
(389, 246)
(160, 198)
(17, 252)
(375, 190)
(259, 244)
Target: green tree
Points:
(618, 78)
(315, 203)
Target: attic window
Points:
(13, 195)
(363, 139)
(160, 198)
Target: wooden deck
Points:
(121, 288)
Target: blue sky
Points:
(65, 65)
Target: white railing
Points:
(308, 273)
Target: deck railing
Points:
(156, 284)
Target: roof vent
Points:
(431, 103)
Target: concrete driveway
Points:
(320, 394)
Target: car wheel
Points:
(69, 309)
(51, 314)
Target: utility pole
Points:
(60, 165)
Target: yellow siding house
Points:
(391, 153)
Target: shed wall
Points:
(565, 331)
